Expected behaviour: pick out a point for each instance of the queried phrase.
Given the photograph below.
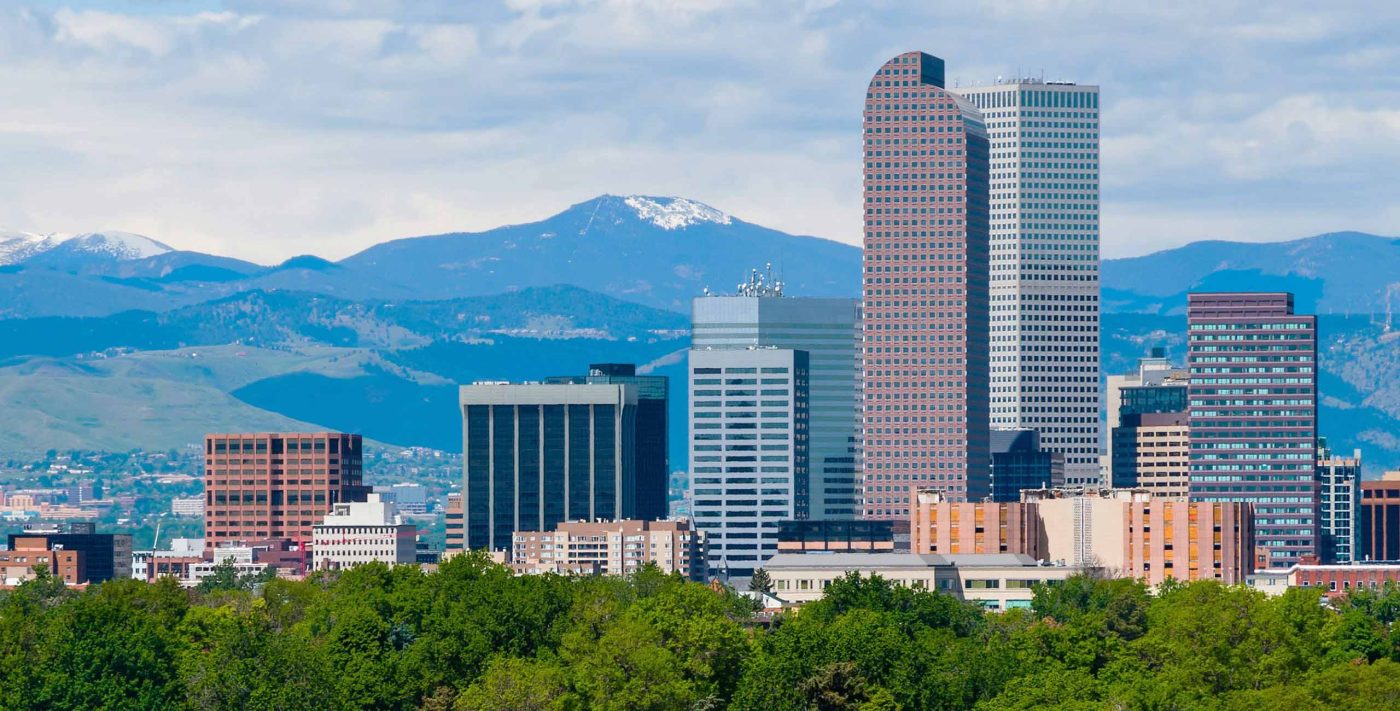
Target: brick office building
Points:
(267, 485)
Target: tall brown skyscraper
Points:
(926, 348)
(266, 485)
(1252, 410)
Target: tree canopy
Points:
(474, 637)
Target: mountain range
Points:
(111, 340)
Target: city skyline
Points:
(398, 119)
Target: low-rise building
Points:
(997, 581)
(800, 535)
(77, 553)
(359, 532)
(1334, 580)
(610, 548)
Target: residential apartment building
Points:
(359, 532)
(277, 485)
(1339, 497)
(611, 548)
(760, 315)
(749, 457)
(1044, 265)
(538, 454)
(1378, 535)
(1253, 415)
(925, 306)
(652, 438)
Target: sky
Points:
(264, 129)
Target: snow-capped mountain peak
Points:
(674, 213)
(117, 245)
(17, 247)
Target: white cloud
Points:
(272, 128)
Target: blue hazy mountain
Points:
(655, 251)
(97, 325)
(1338, 272)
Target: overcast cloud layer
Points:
(268, 128)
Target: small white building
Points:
(358, 532)
(191, 506)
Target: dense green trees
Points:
(472, 637)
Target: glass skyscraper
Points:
(537, 454)
(925, 289)
(1045, 264)
(828, 330)
(748, 451)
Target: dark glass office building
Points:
(653, 462)
(1019, 462)
(536, 454)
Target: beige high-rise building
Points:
(1156, 448)
(610, 548)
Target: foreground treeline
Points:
(474, 637)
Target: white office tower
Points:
(1045, 264)
(760, 315)
(748, 451)
(357, 532)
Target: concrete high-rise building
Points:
(761, 316)
(1253, 414)
(925, 289)
(1045, 264)
(1019, 462)
(408, 498)
(1339, 481)
(1152, 451)
(277, 485)
(1148, 443)
(652, 439)
(358, 532)
(611, 548)
(749, 461)
(538, 454)
(1378, 534)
